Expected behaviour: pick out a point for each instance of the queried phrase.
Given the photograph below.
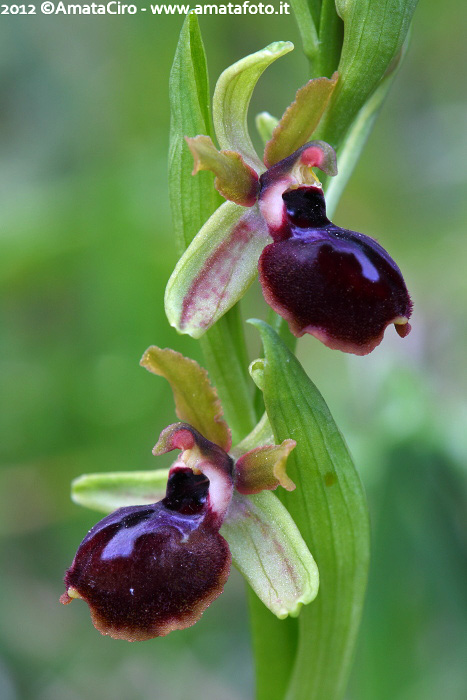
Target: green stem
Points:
(321, 31)
(274, 649)
(226, 361)
(331, 36)
(274, 641)
(307, 17)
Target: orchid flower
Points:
(338, 285)
(154, 567)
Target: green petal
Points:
(235, 180)
(329, 508)
(232, 98)
(196, 400)
(264, 468)
(216, 269)
(300, 119)
(107, 492)
(269, 551)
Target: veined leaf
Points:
(329, 508)
(374, 33)
(192, 200)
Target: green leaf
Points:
(374, 33)
(109, 491)
(329, 508)
(196, 400)
(235, 180)
(357, 136)
(192, 200)
(232, 98)
(269, 551)
(300, 119)
(216, 269)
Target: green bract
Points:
(329, 507)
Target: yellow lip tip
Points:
(73, 593)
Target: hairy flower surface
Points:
(147, 569)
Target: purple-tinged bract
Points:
(147, 570)
(338, 285)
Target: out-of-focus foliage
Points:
(86, 251)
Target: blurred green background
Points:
(86, 250)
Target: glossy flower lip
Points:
(148, 570)
(338, 285)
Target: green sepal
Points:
(235, 180)
(268, 549)
(300, 119)
(329, 508)
(232, 98)
(216, 270)
(109, 491)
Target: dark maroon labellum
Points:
(147, 570)
(338, 285)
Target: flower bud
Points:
(338, 285)
(147, 570)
